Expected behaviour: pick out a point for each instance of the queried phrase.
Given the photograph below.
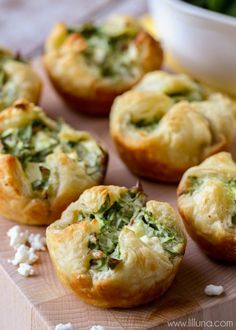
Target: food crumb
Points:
(61, 326)
(214, 290)
(25, 269)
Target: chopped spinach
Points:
(20, 142)
(234, 219)
(109, 53)
(169, 237)
(87, 30)
(127, 210)
(192, 184)
(113, 217)
(232, 185)
(145, 124)
(188, 95)
(33, 142)
(43, 183)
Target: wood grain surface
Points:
(40, 302)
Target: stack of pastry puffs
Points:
(109, 244)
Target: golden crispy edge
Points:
(107, 292)
(16, 201)
(100, 94)
(223, 248)
(140, 157)
(27, 80)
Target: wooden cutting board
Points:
(41, 302)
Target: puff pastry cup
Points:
(168, 123)
(91, 64)
(44, 165)
(17, 80)
(207, 204)
(114, 249)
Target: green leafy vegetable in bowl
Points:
(227, 7)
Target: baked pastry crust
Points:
(44, 165)
(115, 250)
(207, 204)
(90, 65)
(168, 123)
(17, 80)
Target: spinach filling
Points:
(188, 95)
(112, 218)
(109, 53)
(146, 124)
(7, 96)
(232, 185)
(32, 143)
(127, 210)
(193, 182)
(168, 236)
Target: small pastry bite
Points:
(207, 204)
(115, 249)
(44, 165)
(168, 123)
(90, 64)
(17, 80)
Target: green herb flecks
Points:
(192, 184)
(188, 95)
(232, 185)
(43, 183)
(21, 142)
(168, 236)
(110, 54)
(145, 124)
(113, 217)
(34, 142)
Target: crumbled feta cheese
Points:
(97, 327)
(37, 242)
(214, 290)
(153, 242)
(17, 237)
(25, 269)
(24, 254)
(132, 52)
(67, 326)
(99, 54)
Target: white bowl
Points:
(201, 41)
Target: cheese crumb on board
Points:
(17, 237)
(213, 290)
(67, 326)
(24, 254)
(37, 242)
(25, 269)
(25, 244)
(97, 327)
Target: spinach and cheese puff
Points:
(17, 80)
(168, 123)
(115, 249)
(91, 64)
(44, 165)
(207, 203)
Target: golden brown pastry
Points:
(207, 204)
(168, 123)
(17, 80)
(91, 64)
(114, 249)
(44, 165)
